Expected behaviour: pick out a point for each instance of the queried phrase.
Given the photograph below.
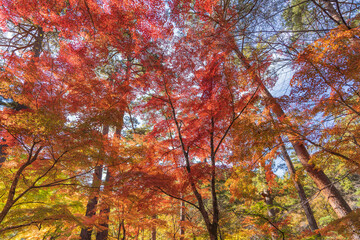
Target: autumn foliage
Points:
(174, 119)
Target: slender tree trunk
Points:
(327, 188)
(211, 226)
(182, 219)
(121, 228)
(215, 204)
(213, 232)
(91, 206)
(322, 181)
(268, 199)
(153, 230)
(304, 201)
(85, 233)
(105, 212)
(124, 230)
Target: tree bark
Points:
(85, 233)
(104, 213)
(182, 219)
(268, 199)
(121, 226)
(327, 188)
(215, 221)
(211, 226)
(105, 210)
(153, 230)
(93, 202)
(304, 201)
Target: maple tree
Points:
(156, 119)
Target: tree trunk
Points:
(182, 219)
(92, 204)
(215, 205)
(327, 188)
(213, 232)
(121, 228)
(268, 199)
(304, 201)
(104, 214)
(322, 181)
(85, 233)
(153, 231)
(211, 226)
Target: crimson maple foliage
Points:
(155, 119)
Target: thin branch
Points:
(178, 198)
(234, 119)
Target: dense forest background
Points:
(179, 119)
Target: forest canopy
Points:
(179, 119)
